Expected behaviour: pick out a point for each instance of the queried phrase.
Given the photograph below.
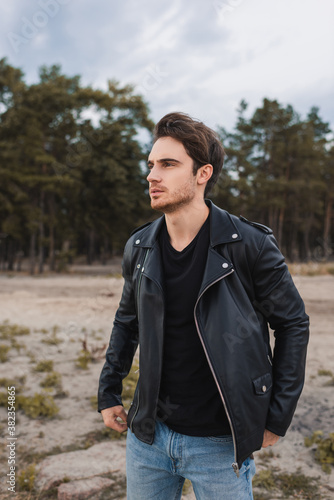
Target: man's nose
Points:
(153, 175)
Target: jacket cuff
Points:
(109, 403)
(279, 431)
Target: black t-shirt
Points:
(189, 398)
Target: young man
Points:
(200, 288)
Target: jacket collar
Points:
(222, 229)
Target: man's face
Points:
(172, 183)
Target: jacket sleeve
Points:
(123, 342)
(279, 301)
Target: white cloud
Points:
(200, 57)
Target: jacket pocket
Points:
(262, 384)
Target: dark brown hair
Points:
(201, 143)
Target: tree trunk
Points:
(52, 263)
(91, 247)
(327, 229)
(41, 236)
(11, 254)
(105, 251)
(280, 226)
(307, 249)
(19, 257)
(32, 253)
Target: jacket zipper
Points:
(135, 413)
(140, 278)
(138, 290)
(235, 464)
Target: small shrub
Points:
(8, 331)
(53, 379)
(104, 434)
(93, 402)
(42, 330)
(52, 339)
(4, 349)
(83, 360)
(39, 405)
(3, 399)
(264, 479)
(325, 373)
(9, 382)
(296, 484)
(17, 383)
(129, 384)
(324, 453)
(186, 487)
(46, 365)
(26, 478)
(16, 345)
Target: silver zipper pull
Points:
(236, 469)
(269, 359)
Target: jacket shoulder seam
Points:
(140, 227)
(262, 227)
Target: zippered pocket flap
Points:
(263, 384)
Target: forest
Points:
(73, 171)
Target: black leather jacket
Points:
(246, 285)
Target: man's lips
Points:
(155, 191)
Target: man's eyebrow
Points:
(163, 160)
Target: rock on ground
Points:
(102, 458)
(84, 488)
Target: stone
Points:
(84, 488)
(102, 458)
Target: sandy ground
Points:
(83, 307)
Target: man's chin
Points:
(157, 206)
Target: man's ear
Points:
(204, 173)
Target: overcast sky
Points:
(200, 57)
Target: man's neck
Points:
(183, 225)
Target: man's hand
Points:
(269, 439)
(110, 416)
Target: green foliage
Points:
(280, 171)
(324, 453)
(8, 331)
(291, 485)
(129, 384)
(39, 405)
(325, 373)
(186, 487)
(16, 382)
(53, 379)
(26, 478)
(4, 349)
(3, 398)
(105, 434)
(44, 366)
(52, 339)
(64, 179)
(264, 479)
(83, 360)
(93, 402)
(16, 345)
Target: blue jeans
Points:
(158, 471)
